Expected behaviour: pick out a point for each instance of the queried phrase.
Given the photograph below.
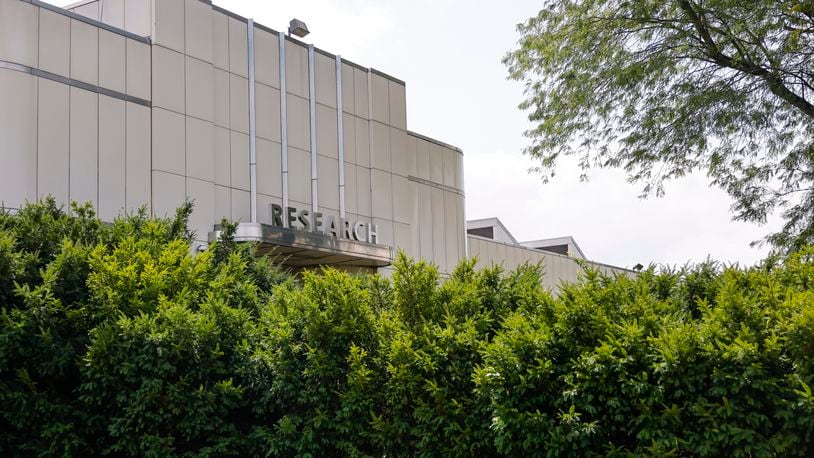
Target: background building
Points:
(131, 102)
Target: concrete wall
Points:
(557, 268)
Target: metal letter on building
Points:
(372, 233)
(358, 230)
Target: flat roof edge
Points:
(386, 76)
(87, 20)
(432, 140)
(294, 40)
(78, 4)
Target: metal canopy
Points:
(303, 248)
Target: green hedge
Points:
(114, 340)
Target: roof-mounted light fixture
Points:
(298, 28)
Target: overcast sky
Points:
(449, 53)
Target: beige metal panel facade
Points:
(450, 230)
(397, 104)
(112, 157)
(325, 80)
(169, 191)
(361, 93)
(200, 89)
(138, 16)
(200, 152)
(54, 42)
(348, 89)
(461, 225)
(112, 61)
(203, 194)
(379, 94)
(362, 135)
(268, 112)
(168, 24)
(80, 137)
(425, 227)
(139, 69)
(223, 203)
(19, 30)
(198, 30)
(267, 58)
(179, 126)
(137, 155)
(52, 139)
(296, 69)
(328, 172)
(113, 13)
(84, 52)
(403, 199)
(415, 219)
(240, 205)
(363, 204)
(436, 154)
(401, 157)
(438, 230)
(382, 194)
(84, 146)
(169, 141)
(380, 146)
(269, 170)
(239, 165)
(238, 103)
(327, 139)
(168, 79)
(88, 9)
(18, 138)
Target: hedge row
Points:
(114, 340)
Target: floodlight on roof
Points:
(298, 28)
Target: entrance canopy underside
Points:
(300, 248)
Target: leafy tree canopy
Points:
(664, 88)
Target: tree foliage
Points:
(115, 340)
(664, 88)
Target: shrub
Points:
(115, 340)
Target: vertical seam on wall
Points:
(98, 109)
(124, 19)
(283, 124)
(70, 69)
(184, 58)
(466, 239)
(229, 107)
(252, 124)
(392, 173)
(312, 114)
(370, 143)
(152, 107)
(340, 137)
(37, 126)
